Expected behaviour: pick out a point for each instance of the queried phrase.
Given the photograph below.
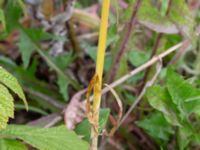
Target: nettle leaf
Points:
(57, 138)
(157, 126)
(6, 106)
(6, 144)
(160, 100)
(11, 82)
(183, 94)
(84, 128)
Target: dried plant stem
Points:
(123, 47)
(99, 73)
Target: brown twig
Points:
(123, 46)
(148, 84)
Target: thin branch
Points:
(148, 84)
(135, 71)
(124, 43)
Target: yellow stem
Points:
(102, 46)
(99, 72)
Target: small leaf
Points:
(6, 106)
(84, 128)
(11, 145)
(63, 86)
(57, 138)
(11, 82)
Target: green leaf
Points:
(57, 138)
(160, 100)
(84, 127)
(184, 137)
(63, 87)
(11, 82)
(150, 16)
(6, 106)
(137, 58)
(6, 144)
(157, 126)
(2, 18)
(12, 15)
(183, 94)
(26, 46)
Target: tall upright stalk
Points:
(99, 73)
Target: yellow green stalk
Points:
(96, 83)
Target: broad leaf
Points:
(57, 138)
(11, 145)
(183, 94)
(6, 106)
(157, 126)
(160, 99)
(184, 137)
(11, 82)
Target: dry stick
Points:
(147, 85)
(123, 46)
(144, 66)
(141, 68)
(136, 71)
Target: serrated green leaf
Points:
(157, 126)
(160, 100)
(6, 106)
(11, 82)
(57, 138)
(11, 145)
(182, 92)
